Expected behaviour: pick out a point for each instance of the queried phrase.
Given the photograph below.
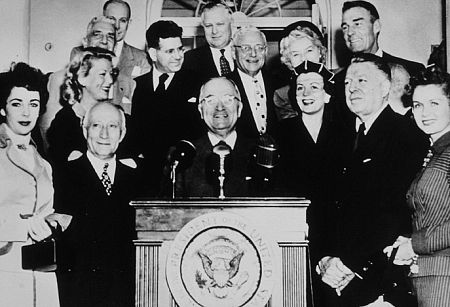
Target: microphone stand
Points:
(173, 176)
(222, 175)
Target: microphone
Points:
(266, 152)
(222, 150)
(180, 157)
(265, 159)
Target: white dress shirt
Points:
(99, 164)
(156, 73)
(256, 98)
(230, 140)
(217, 54)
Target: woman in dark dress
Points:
(89, 79)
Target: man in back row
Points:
(361, 27)
(215, 58)
(164, 101)
(132, 62)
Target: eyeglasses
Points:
(227, 100)
(247, 49)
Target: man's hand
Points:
(334, 273)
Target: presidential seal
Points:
(219, 259)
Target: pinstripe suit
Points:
(429, 197)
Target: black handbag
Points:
(42, 256)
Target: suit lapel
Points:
(209, 63)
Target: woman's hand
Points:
(405, 253)
(38, 229)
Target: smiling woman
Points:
(26, 197)
(88, 80)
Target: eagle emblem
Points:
(220, 260)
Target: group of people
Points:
(368, 145)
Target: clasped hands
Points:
(335, 273)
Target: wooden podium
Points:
(163, 226)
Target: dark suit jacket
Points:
(200, 60)
(158, 122)
(96, 267)
(371, 211)
(198, 181)
(246, 123)
(65, 135)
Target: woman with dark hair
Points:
(309, 141)
(26, 198)
(428, 249)
(88, 80)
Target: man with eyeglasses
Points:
(220, 107)
(249, 48)
(163, 106)
(213, 59)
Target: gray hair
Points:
(247, 29)
(97, 19)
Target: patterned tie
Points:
(161, 88)
(260, 111)
(224, 65)
(359, 136)
(106, 181)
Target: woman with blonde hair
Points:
(301, 41)
(88, 80)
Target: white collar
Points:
(379, 53)
(118, 48)
(368, 123)
(249, 79)
(156, 74)
(230, 139)
(98, 165)
(216, 54)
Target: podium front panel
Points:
(164, 226)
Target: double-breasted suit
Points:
(371, 209)
(96, 267)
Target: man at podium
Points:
(221, 161)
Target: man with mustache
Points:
(163, 106)
(371, 210)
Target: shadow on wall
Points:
(343, 55)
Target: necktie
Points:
(106, 181)
(359, 136)
(260, 110)
(161, 88)
(224, 65)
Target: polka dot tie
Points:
(106, 181)
(224, 65)
(260, 111)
